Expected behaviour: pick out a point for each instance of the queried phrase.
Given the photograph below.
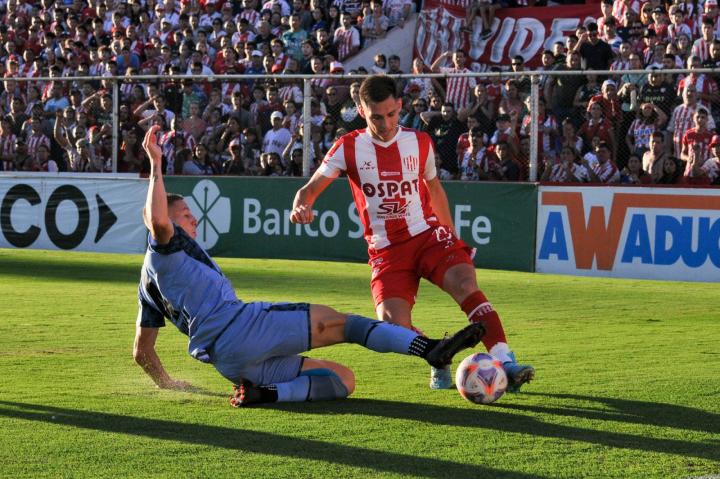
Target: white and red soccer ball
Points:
(481, 379)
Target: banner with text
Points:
(73, 214)
(515, 31)
(250, 217)
(649, 233)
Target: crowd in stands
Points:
(644, 128)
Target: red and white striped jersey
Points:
(386, 179)
(703, 84)
(345, 41)
(252, 16)
(607, 172)
(619, 65)
(681, 121)
(620, 7)
(701, 48)
(7, 146)
(34, 141)
(459, 88)
(696, 144)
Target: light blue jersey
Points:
(181, 282)
(256, 341)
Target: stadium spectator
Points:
(277, 137)
(672, 172)
(375, 25)
(475, 163)
(234, 165)
(346, 38)
(683, 119)
(509, 168)
(271, 372)
(654, 158)
(569, 137)
(633, 173)
(561, 89)
(709, 171)
(696, 143)
(605, 170)
(705, 86)
(595, 53)
(587, 91)
(547, 126)
(650, 119)
(486, 10)
(395, 281)
(458, 88)
(598, 125)
(506, 132)
(200, 163)
(412, 118)
(7, 143)
(131, 158)
(565, 169)
(444, 129)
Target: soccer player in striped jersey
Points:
(257, 345)
(407, 220)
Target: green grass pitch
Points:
(627, 383)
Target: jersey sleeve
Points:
(334, 162)
(148, 315)
(430, 171)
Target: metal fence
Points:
(632, 103)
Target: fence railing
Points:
(630, 93)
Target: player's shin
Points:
(383, 337)
(312, 385)
(479, 310)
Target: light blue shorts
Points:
(264, 348)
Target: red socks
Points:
(479, 310)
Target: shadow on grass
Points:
(79, 269)
(627, 410)
(69, 269)
(253, 442)
(498, 417)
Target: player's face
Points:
(181, 215)
(382, 117)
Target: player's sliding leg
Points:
(325, 380)
(318, 381)
(330, 327)
(460, 282)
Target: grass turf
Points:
(626, 382)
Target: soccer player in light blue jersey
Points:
(255, 345)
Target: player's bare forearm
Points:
(146, 357)
(156, 209)
(306, 196)
(439, 202)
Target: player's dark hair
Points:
(377, 88)
(173, 198)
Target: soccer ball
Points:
(481, 379)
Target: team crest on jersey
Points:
(411, 163)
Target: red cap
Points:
(715, 140)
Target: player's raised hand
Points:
(151, 146)
(302, 214)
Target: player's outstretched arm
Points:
(156, 210)
(305, 198)
(145, 355)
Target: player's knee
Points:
(347, 377)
